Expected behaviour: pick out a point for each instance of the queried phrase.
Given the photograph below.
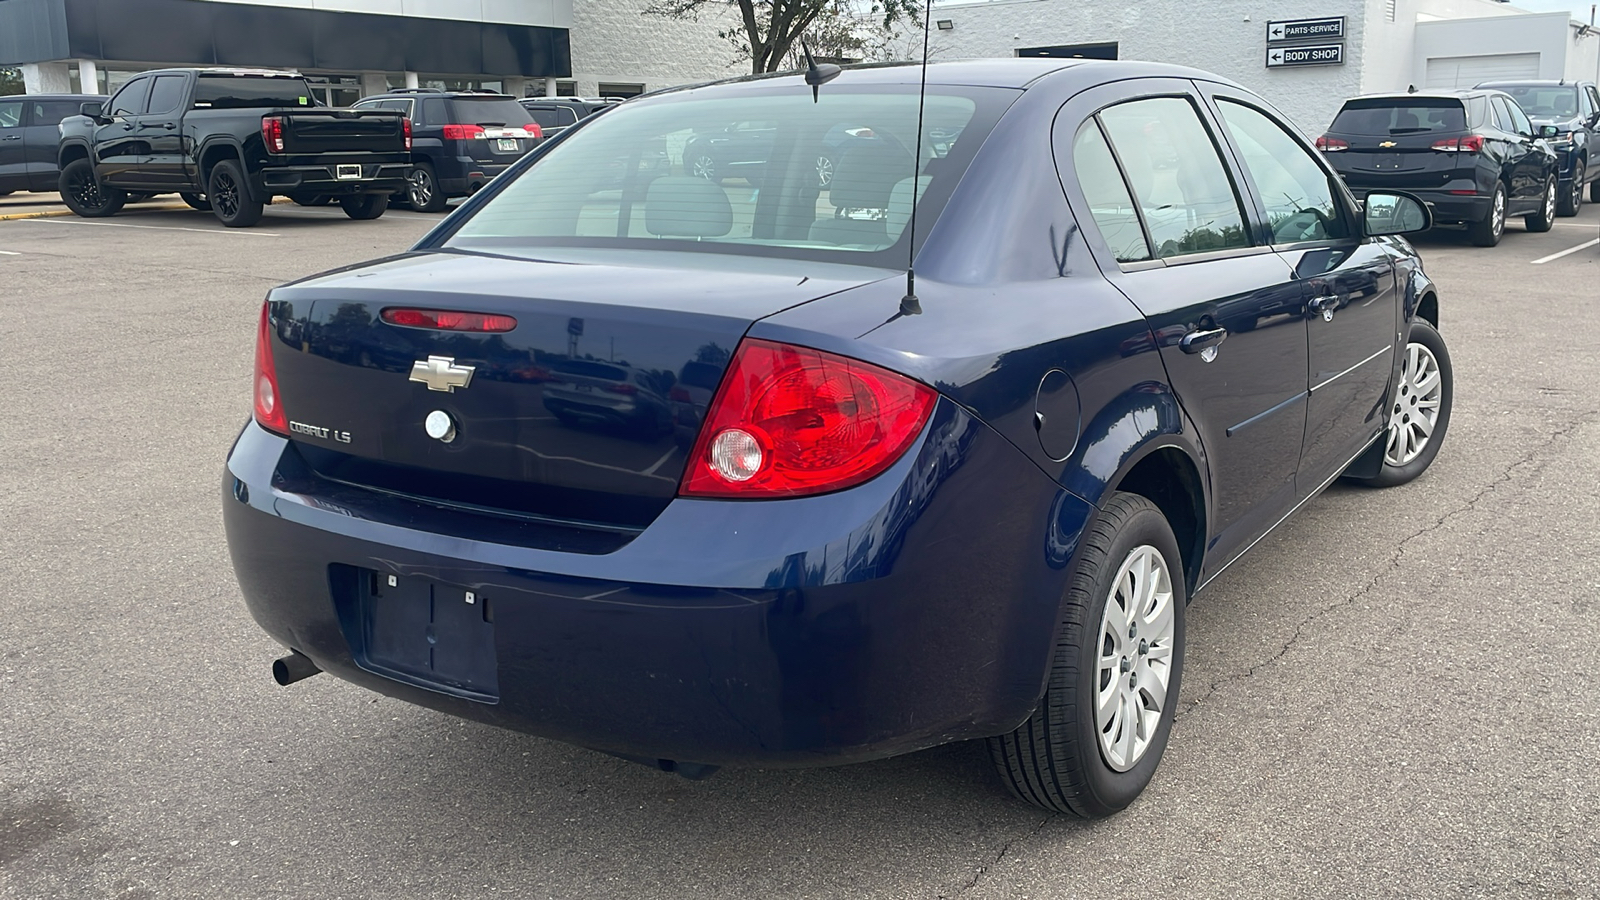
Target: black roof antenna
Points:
(909, 304)
(816, 75)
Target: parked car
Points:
(460, 140)
(588, 392)
(970, 505)
(1473, 156)
(557, 114)
(1574, 109)
(742, 150)
(29, 134)
(228, 140)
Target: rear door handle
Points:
(13, 137)
(1198, 340)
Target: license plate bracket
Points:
(508, 145)
(428, 633)
(347, 172)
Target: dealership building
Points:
(1306, 56)
(352, 48)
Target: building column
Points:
(46, 78)
(374, 83)
(549, 87)
(516, 87)
(88, 76)
(411, 81)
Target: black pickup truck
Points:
(228, 140)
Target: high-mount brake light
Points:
(1331, 144)
(1472, 143)
(463, 132)
(268, 402)
(272, 133)
(790, 421)
(448, 320)
(405, 125)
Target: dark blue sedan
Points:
(1147, 324)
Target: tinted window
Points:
(504, 111)
(130, 101)
(433, 111)
(247, 92)
(1478, 109)
(1502, 114)
(1184, 192)
(1109, 202)
(545, 117)
(1386, 116)
(1294, 189)
(628, 179)
(167, 94)
(1519, 120)
(568, 117)
(11, 114)
(1594, 99)
(1545, 100)
(51, 112)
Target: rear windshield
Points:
(1399, 116)
(1553, 100)
(489, 112)
(249, 91)
(757, 171)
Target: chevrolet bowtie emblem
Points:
(440, 373)
(1386, 143)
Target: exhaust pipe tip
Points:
(286, 670)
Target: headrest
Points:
(677, 206)
(866, 174)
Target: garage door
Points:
(1448, 72)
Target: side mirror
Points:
(1548, 132)
(1391, 212)
(92, 108)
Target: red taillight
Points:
(405, 125)
(1472, 143)
(448, 319)
(272, 133)
(789, 421)
(534, 129)
(1331, 144)
(623, 388)
(269, 405)
(462, 132)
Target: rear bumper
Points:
(1447, 208)
(333, 178)
(914, 610)
(462, 175)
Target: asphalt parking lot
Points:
(1392, 696)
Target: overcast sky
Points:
(1579, 10)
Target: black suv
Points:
(460, 140)
(1473, 156)
(556, 114)
(29, 133)
(1574, 109)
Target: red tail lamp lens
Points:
(449, 320)
(1330, 144)
(534, 129)
(272, 133)
(405, 125)
(269, 404)
(790, 421)
(462, 132)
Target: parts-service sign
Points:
(1328, 28)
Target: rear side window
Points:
(11, 114)
(433, 111)
(1109, 201)
(167, 94)
(546, 118)
(1385, 116)
(1519, 120)
(1478, 111)
(1502, 114)
(51, 112)
(1294, 189)
(246, 92)
(489, 113)
(1185, 196)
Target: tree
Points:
(769, 30)
(10, 80)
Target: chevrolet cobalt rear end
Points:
(683, 467)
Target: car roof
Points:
(1529, 82)
(1460, 94)
(54, 97)
(409, 93)
(1020, 73)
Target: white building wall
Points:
(613, 41)
(551, 13)
(1228, 38)
(1388, 61)
(1583, 55)
(1543, 33)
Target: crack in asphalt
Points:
(1393, 565)
(1004, 849)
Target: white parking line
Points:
(9, 253)
(1583, 246)
(240, 232)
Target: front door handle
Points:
(13, 137)
(1200, 339)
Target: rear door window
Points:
(51, 112)
(1519, 120)
(1502, 115)
(1297, 193)
(166, 95)
(1384, 116)
(1109, 201)
(11, 114)
(1185, 195)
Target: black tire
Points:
(422, 190)
(5, 193)
(1542, 220)
(84, 196)
(365, 206)
(1055, 759)
(1406, 400)
(311, 199)
(1594, 192)
(1487, 231)
(230, 198)
(197, 201)
(1572, 199)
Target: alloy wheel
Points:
(421, 188)
(1576, 201)
(824, 171)
(704, 167)
(1550, 202)
(1499, 213)
(87, 193)
(1416, 408)
(1137, 633)
(224, 195)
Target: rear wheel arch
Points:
(1167, 476)
(216, 152)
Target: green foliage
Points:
(10, 80)
(768, 32)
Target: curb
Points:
(55, 213)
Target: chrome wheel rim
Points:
(1499, 224)
(704, 166)
(824, 171)
(421, 188)
(1137, 633)
(1550, 202)
(1415, 412)
(224, 195)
